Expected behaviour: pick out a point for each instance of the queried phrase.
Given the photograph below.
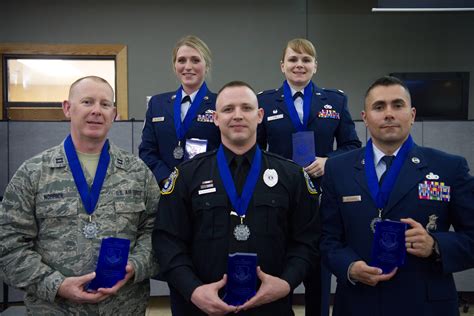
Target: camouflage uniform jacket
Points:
(41, 231)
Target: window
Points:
(36, 78)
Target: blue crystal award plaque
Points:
(303, 148)
(388, 249)
(111, 264)
(241, 278)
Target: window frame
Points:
(49, 113)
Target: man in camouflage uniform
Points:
(50, 244)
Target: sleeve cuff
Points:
(353, 282)
(184, 281)
(50, 286)
(295, 272)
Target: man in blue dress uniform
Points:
(393, 178)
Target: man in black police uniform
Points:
(198, 225)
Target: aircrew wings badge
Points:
(168, 187)
(309, 183)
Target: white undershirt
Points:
(185, 106)
(298, 104)
(380, 166)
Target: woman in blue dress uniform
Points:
(179, 124)
(292, 112)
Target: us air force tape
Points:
(168, 187)
(309, 184)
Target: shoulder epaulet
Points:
(278, 156)
(199, 157)
(338, 91)
(265, 92)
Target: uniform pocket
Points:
(271, 213)
(128, 213)
(56, 208)
(211, 216)
(441, 288)
(58, 226)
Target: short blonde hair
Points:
(196, 43)
(301, 46)
(93, 78)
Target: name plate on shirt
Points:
(304, 152)
(194, 146)
(241, 278)
(388, 248)
(274, 117)
(111, 265)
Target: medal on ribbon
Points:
(239, 203)
(381, 194)
(89, 197)
(178, 151)
(183, 127)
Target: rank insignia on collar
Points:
(415, 160)
(206, 98)
(173, 97)
(432, 176)
(309, 184)
(432, 226)
(275, 111)
(434, 191)
(168, 187)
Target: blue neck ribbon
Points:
(182, 127)
(381, 194)
(89, 198)
(290, 105)
(239, 203)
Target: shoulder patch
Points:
(168, 187)
(309, 184)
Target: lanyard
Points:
(290, 105)
(182, 127)
(240, 203)
(381, 194)
(89, 198)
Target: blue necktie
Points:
(388, 162)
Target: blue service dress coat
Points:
(159, 135)
(329, 118)
(422, 286)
